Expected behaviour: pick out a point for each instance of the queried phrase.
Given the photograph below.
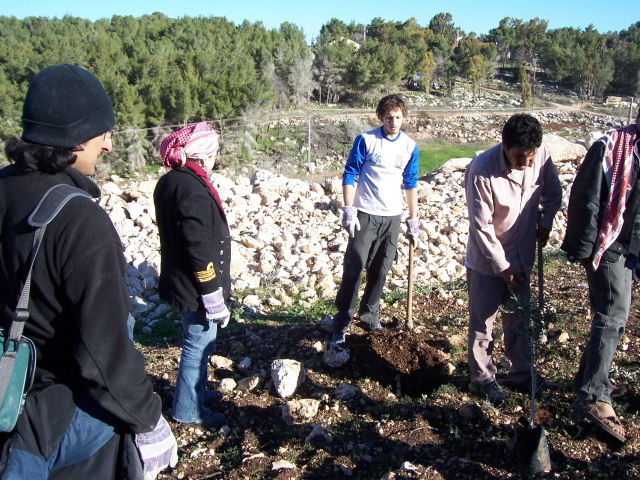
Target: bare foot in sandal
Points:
(602, 415)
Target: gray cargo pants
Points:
(610, 299)
(373, 247)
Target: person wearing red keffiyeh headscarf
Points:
(603, 234)
(195, 250)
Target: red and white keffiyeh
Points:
(198, 141)
(195, 142)
(617, 163)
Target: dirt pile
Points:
(399, 359)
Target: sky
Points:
(470, 15)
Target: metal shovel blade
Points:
(532, 449)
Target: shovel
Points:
(532, 449)
(409, 320)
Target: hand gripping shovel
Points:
(409, 319)
(532, 449)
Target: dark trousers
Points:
(610, 299)
(373, 248)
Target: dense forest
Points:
(160, 70)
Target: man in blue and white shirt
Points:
(382, 162)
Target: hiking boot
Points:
(338, 338)
(492, 391)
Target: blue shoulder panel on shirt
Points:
(357, 157)
(410, 177)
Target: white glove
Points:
(350, 220)
(413, 230)
(158, 449)
(217, 311)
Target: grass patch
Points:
(434, 154)
(152, 169)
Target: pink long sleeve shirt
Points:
(505, 211)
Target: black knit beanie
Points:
(65, 106)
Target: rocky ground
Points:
(401, 406)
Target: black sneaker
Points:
(370, 322)
(215, 420)
(492, 391)
(338, 338)
(371, 326)
(212, 397)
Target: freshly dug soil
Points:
(399, 359)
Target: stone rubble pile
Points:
(287, 240)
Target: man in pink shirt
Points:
(513, 193)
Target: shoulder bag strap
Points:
(47, 208)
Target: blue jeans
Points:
(610, 299)
(191, 385)
(84, 438)
(131, 322)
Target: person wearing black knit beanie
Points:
(91, 412)
(65, 106)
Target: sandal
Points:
(602, 415)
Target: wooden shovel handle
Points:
(409, 321)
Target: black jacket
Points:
(587, 202)
(79, 304)
(195, 245)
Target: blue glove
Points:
(350, 220)
(217, 311)
(158, 449)
(413, 230)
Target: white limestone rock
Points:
(345, 391)
(227, 384)
(336, 356)
(562, 149)
(297, 412)
(250, 383)
(223, 363)
(287, 375)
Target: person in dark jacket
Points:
(603, 234)
(195, 249)
(91, 404)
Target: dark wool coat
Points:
(78, 311)
(195, 244)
